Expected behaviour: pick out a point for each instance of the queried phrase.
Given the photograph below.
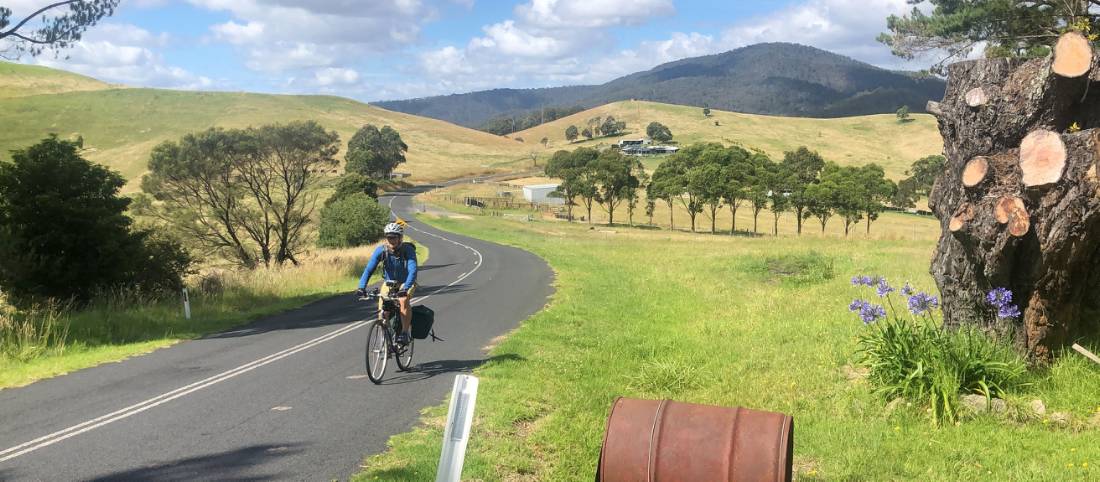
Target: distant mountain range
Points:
(772, 78)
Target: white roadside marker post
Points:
(457, 432)
(186, 305)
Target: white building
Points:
(540, 193)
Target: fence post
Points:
(457, 432)
(186, 305)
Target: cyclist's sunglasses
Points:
(393, 236)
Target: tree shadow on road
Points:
(239, 464)
(435, 368)
(442, 289)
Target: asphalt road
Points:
(283, 398)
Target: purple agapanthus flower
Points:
(871, 313)
(856, 305)
(1008, 312)
(922, 302)
(999, 297)
(883, 287)
(907, 290)
(862, 280)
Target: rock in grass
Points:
(1038, 408)
(894, 405)
(1060, 418)
(997, 405)
(974, 403)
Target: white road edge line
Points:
(60, 435)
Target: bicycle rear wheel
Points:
(377, 352)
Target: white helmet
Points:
(393, 228)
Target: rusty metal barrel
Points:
(667, 441)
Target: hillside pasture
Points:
(880, 139)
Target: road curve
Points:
(283, 398)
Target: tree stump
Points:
(1019, 199)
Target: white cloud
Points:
(548, 42)
(330, 30)
(120, 53)
(846, 27)
(591, 13)
(238, 33)
(446, 62)
(332, 76)
(507, 39)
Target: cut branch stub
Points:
(1006, 207)
(934, 108)
(976, 97)
(1018, 222)
(963, 214)
(975, 171)
(1042, 158)
(1072, 55)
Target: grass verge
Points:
(121, 326)
(757, 323)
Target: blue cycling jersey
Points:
(397, 265)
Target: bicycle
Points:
(381, 335)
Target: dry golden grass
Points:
(17, 80)
(847, 141)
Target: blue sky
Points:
(394, 49)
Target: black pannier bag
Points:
(422, 320)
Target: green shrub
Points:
(352, 183)
(352, 221)
(64, 233)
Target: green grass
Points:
(757, 323)
(18, 80)
(121, 326)
(847, 141)
(120, 127)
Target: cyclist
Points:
(398, 260)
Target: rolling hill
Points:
(773, 78)
(18, 80)
(850, 140)
(120, 127)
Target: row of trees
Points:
(508, 124)
(704, 178)
(596, 127)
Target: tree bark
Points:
(1035, 223)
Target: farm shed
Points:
(540, 193)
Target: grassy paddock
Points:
(121, 325)
(758, 323)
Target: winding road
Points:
(283, 398)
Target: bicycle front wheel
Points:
(377, 352)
